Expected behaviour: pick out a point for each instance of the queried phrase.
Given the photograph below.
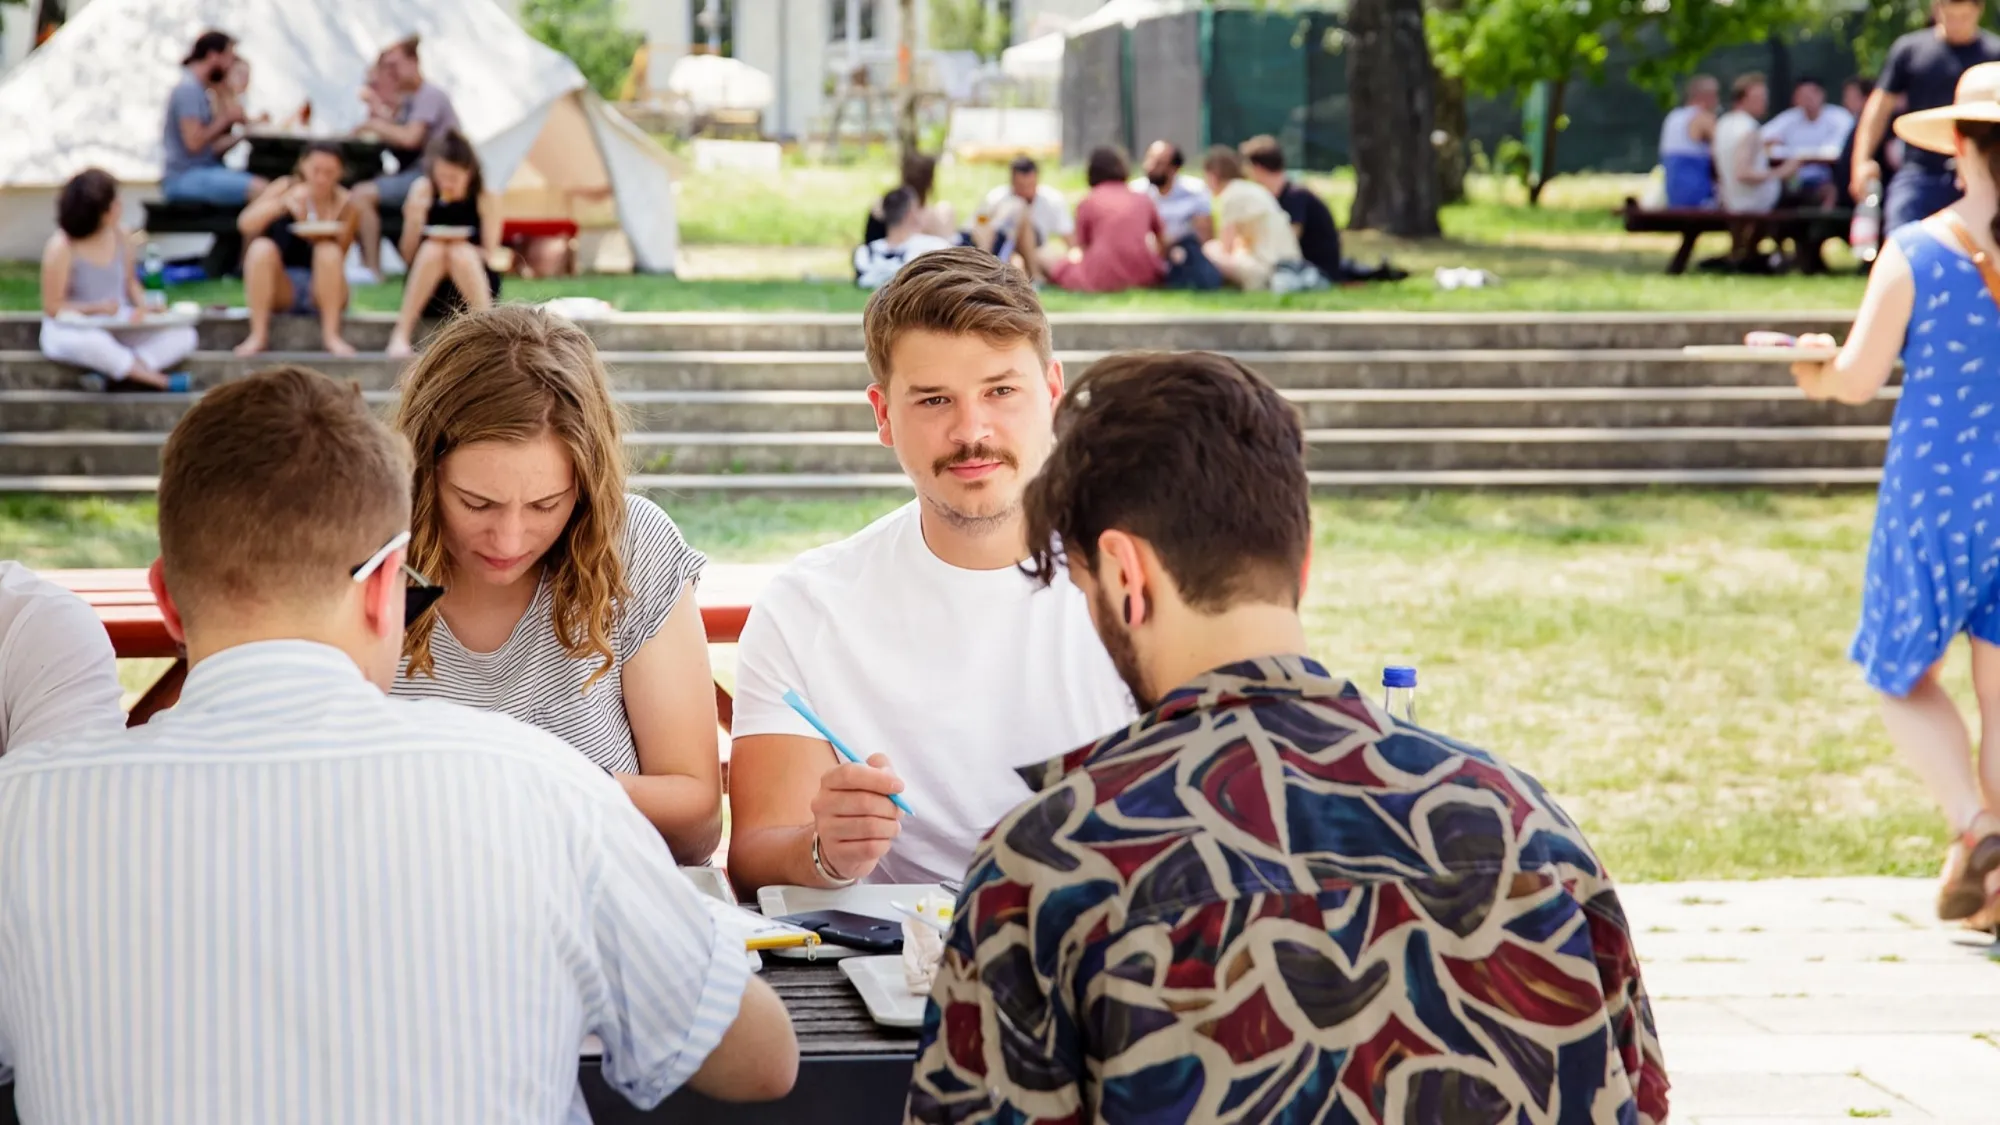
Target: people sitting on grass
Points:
(1312, 221)
(1687, 138)
(876, 262)
(1814, 132)
(1119, 241)
(93, 306)
(1018, 218)
(1267, 887)
(296, 887)
(415, 115)
(196, 134)
(934, 219)
(451, 235)
(568, 604)
(1253, 235)
(58, 675)
(918, 640)
(1933, 565)
(1184, 207)
(299, 232)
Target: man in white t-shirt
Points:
(1812, 131)
(919, 640)
(58, 675)
(1020, 216)
(1746, 180)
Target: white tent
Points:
(96, 93)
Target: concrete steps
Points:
(1227, 332)
(777, 404)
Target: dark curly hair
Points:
(85, 202)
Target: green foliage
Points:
(968, 25)
(1671, 37)
(590, 33)
(1501, 47)
(1873, 26)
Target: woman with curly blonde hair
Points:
(569, 604)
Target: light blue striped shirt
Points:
(292, 899)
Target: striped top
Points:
(293, 899)
(532, 677)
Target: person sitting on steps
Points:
(284, 271)
(87, 272)
(448, 271)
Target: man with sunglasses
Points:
(294, 896)
(1922, 72)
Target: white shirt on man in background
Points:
(1795, 134)
(58, 675)
(293, 898)
(959, 676)
(1050, 214)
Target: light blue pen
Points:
(797, 704)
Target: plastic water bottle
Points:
(153, 276)
(1864, 233)
(1399, 693)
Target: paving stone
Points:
(1786, 1096)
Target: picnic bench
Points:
(225, 255)
(1806, 228)
(131, 616)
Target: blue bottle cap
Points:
(1399, 676)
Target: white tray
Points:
(880, 982)
(714, 883)
(448, 233)
(1744, 353)
(871, 899)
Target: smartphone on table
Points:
(855, 931)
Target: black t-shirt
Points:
(1925, 70)
(1319, 239)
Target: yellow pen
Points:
(781, 941)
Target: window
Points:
(836, 28)
(712, 26)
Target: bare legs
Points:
(367, 198)
(266, 290)
(1931, 736)
(329, 284)
(462, 262)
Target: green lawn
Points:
(1670, 664)
(1570, 254)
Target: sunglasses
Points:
(418, 596)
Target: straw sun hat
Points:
(1978, 99)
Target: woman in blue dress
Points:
(1934, 560)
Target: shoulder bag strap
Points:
(1979, 256)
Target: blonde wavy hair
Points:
(512, 373)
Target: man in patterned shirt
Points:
(1266, 899)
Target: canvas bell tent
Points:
(95, 95)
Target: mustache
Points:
(969, 453)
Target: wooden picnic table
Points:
(125, 603)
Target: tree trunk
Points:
(907, 141)
(1551, 132)
(1390, 92)
(1453, 126)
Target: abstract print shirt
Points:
(1267, 901)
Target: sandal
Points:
(1962, 889)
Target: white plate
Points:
(883, 988)
(323, 228)
(1744, 353)
(452, 234)
(114, 323)
(871, 899)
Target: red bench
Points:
(125, 603)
